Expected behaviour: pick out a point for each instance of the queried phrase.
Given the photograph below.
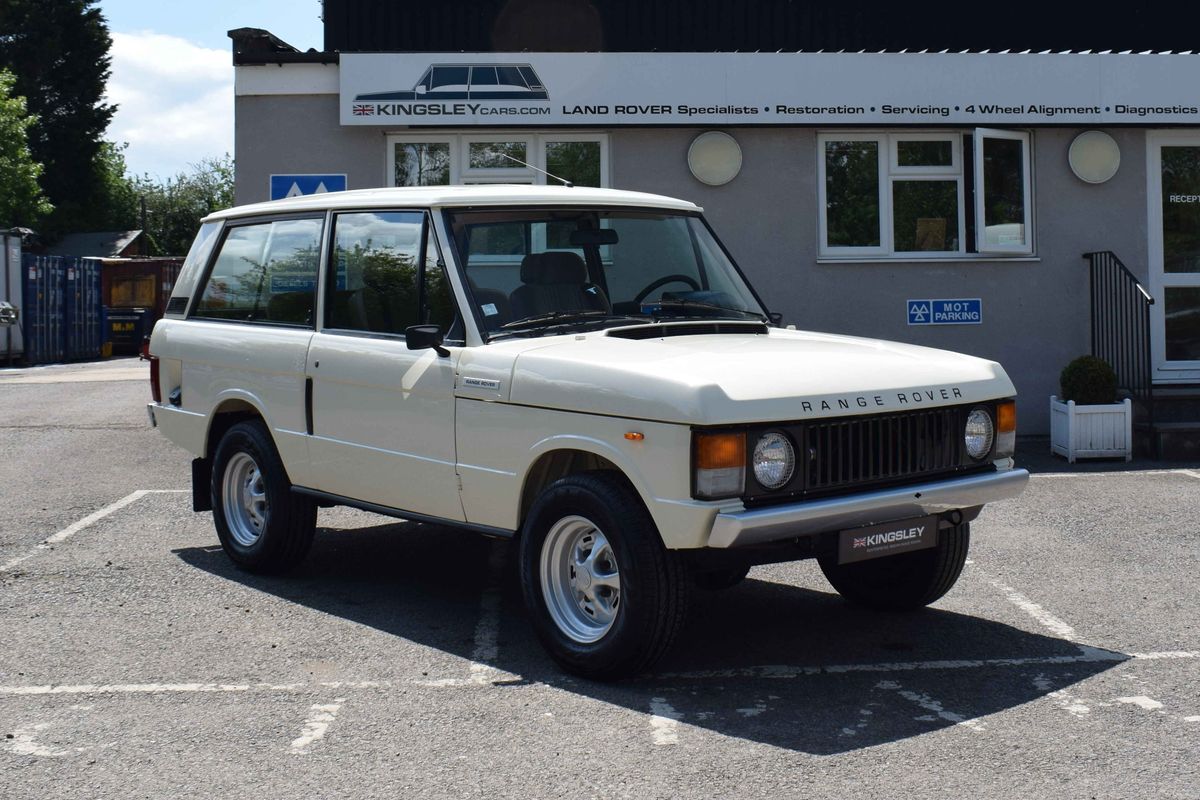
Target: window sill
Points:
(955, 259)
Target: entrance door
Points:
(1174, 185)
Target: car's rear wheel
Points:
(263, 526)
(903, 582)
(605, 597)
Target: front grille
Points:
(880, 449)
(853, 454)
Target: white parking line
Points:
(775, 671)
(486, 647)
(320, 717)
(1116, 473)
(664, 722)
(927, 703)
(90, 519)
(1047, 620)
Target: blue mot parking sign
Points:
(961, 311)
(295, 185)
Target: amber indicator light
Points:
(720, 450)
(1006, 417)
(634, 436)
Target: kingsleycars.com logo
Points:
(457, 83)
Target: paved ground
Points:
(135, 662)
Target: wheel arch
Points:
(227, 413)
(557, 458)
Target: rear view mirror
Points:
(593, 238)
(425, 337)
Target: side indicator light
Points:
(635, 436)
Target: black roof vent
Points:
(662, 330)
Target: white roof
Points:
(488, 194)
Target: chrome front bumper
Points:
(739, 528)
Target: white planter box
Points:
(1102, 431)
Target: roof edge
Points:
(256, 46)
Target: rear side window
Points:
(380, 284)
(265, 272)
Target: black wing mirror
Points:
(424, 337)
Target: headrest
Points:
(555, 266)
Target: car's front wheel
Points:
(903, 582)
(263, 526)
(605, 597)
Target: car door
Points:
(382, 416)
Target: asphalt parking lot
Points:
(137, 662)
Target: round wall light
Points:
(1094, 156)
(714, 158)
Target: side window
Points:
(377, 280)
(265, 272)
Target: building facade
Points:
(947, 197)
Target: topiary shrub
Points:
(1088, 381)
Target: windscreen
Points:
(527, 268)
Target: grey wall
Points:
(296, 134)
(1035, 312)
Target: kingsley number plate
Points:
(888, 539)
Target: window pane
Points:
(483, 76)
(938, 153)
(292, 257)
(422, 164)
(925, 216)
(375, 284)
(265, 273)
(1003, 192)
(1182, 314)
(449, 77)
(491, 155)
(511, 76)
(1181, 211)
(577, 162)
(852, 194)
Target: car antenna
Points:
(565, 182)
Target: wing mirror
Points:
(425, 337)
(9, 314)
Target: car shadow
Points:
(767, 662)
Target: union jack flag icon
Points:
(364, 110)
(860, 541)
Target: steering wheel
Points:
(663, 281)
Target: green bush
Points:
(1088, 381)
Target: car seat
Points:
(556, 280)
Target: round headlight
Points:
(979, 434)
(774, 461)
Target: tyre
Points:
(720, 579)
(903, 582)
(263, 526)
(604, 596)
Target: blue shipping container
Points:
(61, 319)
(81, 308)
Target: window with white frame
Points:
(925, 195)
(444, 159)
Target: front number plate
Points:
(888, 539)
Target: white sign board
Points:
(767, 89)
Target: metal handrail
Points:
(1121, 325)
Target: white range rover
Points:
(584, 370)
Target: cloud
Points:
(175, 101)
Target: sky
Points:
(172, 73)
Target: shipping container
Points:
(12, 341)
(42, 313)
(83, 334)
(139, 283)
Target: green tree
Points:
(58, 52)
(175, 207)
(118, 207)
(21, 198)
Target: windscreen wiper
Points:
(683, 302)
(553, 318)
